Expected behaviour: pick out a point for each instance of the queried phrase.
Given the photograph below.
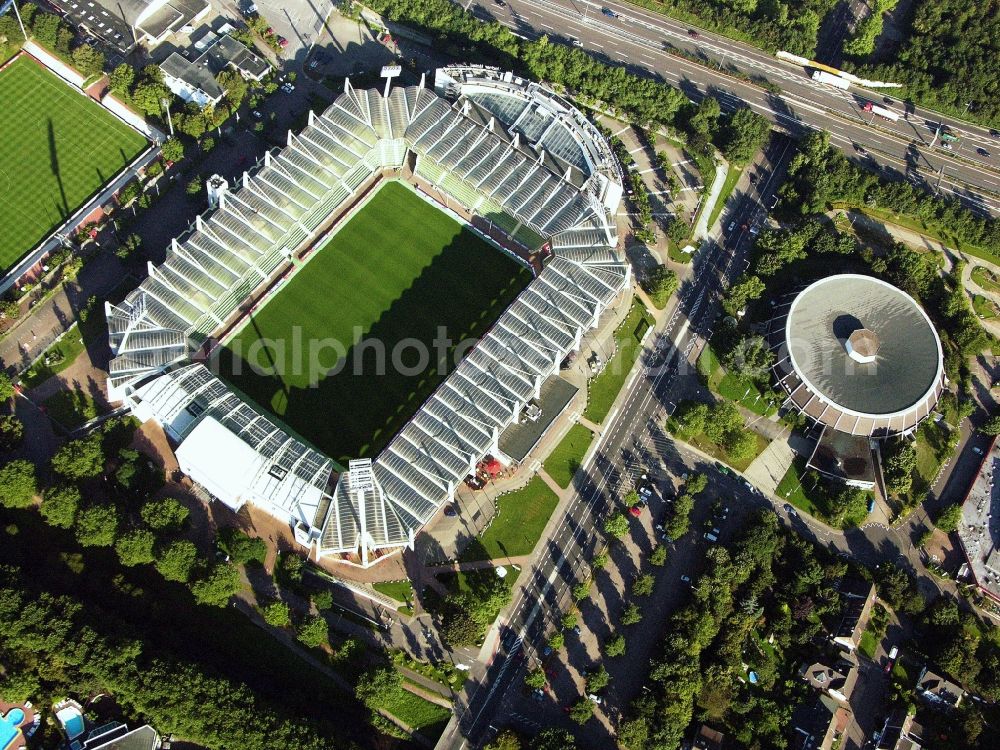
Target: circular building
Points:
(859, 356)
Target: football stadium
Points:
(59, 147)
(485, 207)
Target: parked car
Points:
(635, 510)
(731, 227)
(288, 87)
(595, 699)
(450, 510)
(685, 579)
(790, 510)
(711, 537)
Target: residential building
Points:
(837, 680)
(857, 597)
(708, 738)
(900, 732)
(819, 724)
(939, 690)
(194, 80)
(123, 24)
(191, 81)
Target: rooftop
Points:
(979, 529)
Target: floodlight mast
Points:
(388, 73)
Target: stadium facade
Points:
(861, 359)
(517, 158)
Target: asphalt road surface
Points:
(639, 39)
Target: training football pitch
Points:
(57, 148)
(395, 272)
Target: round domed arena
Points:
(856, 354)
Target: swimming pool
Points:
(9, 731)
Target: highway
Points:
(641, 39)
(562, 561)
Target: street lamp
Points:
(170, 121)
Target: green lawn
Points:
(869, 644)
(983, 307)
(58, 148)
(399, 590)
(416, 712)
(520, 520)
(986, 279)
(744, 392)
(604, 388)
(393, 274)
(791, 487)
(57, 358)
(732, 176)
(566, 458)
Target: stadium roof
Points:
(210, 271)
(860, 355)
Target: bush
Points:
(277, 615)
(59, 505)
(166, 513)
(97, 526)
(313, 632)
(17, 484)
(241, 547)
(615, 647)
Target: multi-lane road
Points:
(562, 560)
(643, 41)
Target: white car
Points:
(288, 87)
(731, 227)
(575, 42)
(755, 230)
(595, 699)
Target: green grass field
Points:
(521, 518)
(603, 389)
(58, 148)
(394, 273)
(566, 457)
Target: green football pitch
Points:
(57, 148)
(395, 272)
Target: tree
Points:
(508, 739)
(129, 246)
(597, 679)
(557, 641)
(377, 685)
(691, 417)
(632, 614)
(177, 560)
(195, 185)
(97, 526)
(751, 358)
(322, 600)
(743, 290)
(898, 467)
(744, 135)
(172, 150)
(17, 484)
(290, 568)
(569, 621)
(615, 646)
(680, 522)
(696, 482)
(121, 78)
(164, 513)
(219, 586)
(7, 389)
(81, 458)
(643, 585)
(991, 426)
(136, 547)
(600, 561)
(276, 614)
(129, 192)
(925, 538)
(658, 556)
(59, 505)
(582, 711)
(88, 60)
(553, 739)
(661, 282)
(740, 444)
(581, 591)
(535, 679)
(948, 518)
(313, 631)
(616, 526)
(242, 548)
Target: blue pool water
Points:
(8, 727)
